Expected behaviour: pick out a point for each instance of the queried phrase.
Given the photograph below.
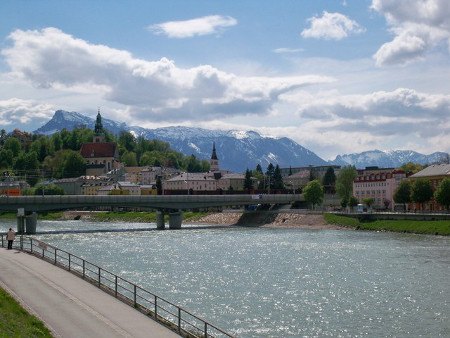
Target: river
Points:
(279, 282)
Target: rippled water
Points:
(282, 282)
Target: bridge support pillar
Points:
(160, 225)
(175, 219)
(31, 223)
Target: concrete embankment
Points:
(268, 219)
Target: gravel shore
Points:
(268, 220)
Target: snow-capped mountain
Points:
(387, 159)
(236, 150)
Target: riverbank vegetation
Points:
(411, 226)
(16, 322)
(144, 217)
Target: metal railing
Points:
(169, 314)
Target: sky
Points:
(336, 76)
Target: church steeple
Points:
(99, 135)
(214, 162)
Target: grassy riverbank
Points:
(418, 227)
(144, 217)
(16, 322)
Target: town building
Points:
(318, 171)
(121, 188)
(297, 181)
(435, 174)
(379, 185)
(101, 156)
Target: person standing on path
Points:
(10, 238)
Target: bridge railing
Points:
(152, 305)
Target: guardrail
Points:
(173, 316)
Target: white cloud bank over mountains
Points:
(314, 110)
(155, 90)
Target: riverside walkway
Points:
(68, 305)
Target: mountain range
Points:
(238, 150)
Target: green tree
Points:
(248, 184)
(411, 167)
(329, 179)
(344, 182)
(442, 193)
(352, 202)
(402, 193)
(313, 193)
(6, 158)
(129, 159)
(269, 176)
(74, 164)
(2, 136)
(159, 189)
(421, 191)
(277, 178)
(51, 189)
(12, 144)
(369, 201)
(127, 141)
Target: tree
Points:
(329, 179)
(313, 193)
(421, 191)
(51, 189)
(352, 202)
(159, 189)
(344, 182)
(74, 164)
(127, 141)
(269, 175)
(369, 201)
(442, 193)
(411, 167)
(12, 144)
(248, 184)
(402, 193)
(277, 178)
(129, 159)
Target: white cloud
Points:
(153, 90)
(418, 26)
(288, 50)
(19, 112)
(206, 25)
(331, 26)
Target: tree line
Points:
(58, 156)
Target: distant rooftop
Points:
(434, 170)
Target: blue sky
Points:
(335, 76)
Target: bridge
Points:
(28, 206)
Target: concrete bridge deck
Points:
(171, 202)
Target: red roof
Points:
(98, 149)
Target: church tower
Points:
(99, 135)
(214, 162)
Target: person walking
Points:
(10, 237)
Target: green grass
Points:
(418, 227)
(144, 217)
(16, 322)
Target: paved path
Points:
(68, 305)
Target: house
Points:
(233, 182)
(435, 174)
(298, 180)
(379, 185)
(101, 156)
(191, 182)
(120, 188)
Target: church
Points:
(101, 156)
